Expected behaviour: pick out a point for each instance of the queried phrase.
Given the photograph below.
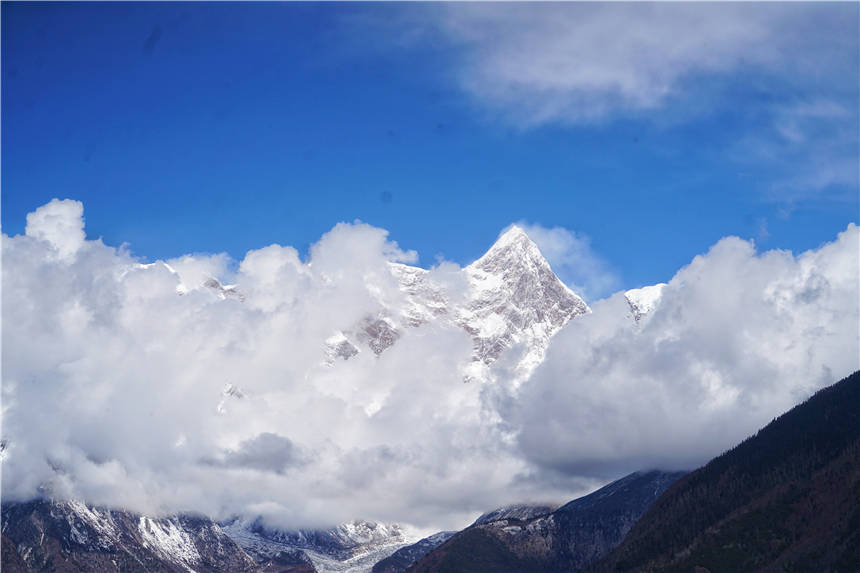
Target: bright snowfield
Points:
(354, 385)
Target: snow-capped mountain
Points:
(513, 302)
(44, 535)
(509, 301)
(354, 547)
(644, 300)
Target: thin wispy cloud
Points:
(787, 73)
(575, 63)
(811, 147)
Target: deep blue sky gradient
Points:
(227, 127)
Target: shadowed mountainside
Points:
(70, 536)
(786, 499)
(561, 540)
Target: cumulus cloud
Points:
(60, 224)
(114, 384)
(737, 338)
(120, 390)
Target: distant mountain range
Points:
(543, 540)
(69, 536)
(46, 535)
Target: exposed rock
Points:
(71, 536)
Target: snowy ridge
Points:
(211, 284)
(106, 533)
(516, 511)
(224, 291)
(403, 558)
(118, 540)
(644, 300)
(352, 547)
(424, 300)
(361, 562)
(168, 539)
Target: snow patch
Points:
(169, 540)
(644, 300)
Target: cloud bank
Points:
(136, 385)
(736, 338)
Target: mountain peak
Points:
(514, 235)
(515, 298)
(512, 299)
(514, 240)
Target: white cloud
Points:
(785, 74)
(580, 62)
(737, 338)
(61, 224)
(114, 385)
(811, 146)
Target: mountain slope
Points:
(562, 540)
(400, 560)
(786, 499)
(352, 547)
(521, 512)
(72, 537)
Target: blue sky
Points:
(650, 132)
